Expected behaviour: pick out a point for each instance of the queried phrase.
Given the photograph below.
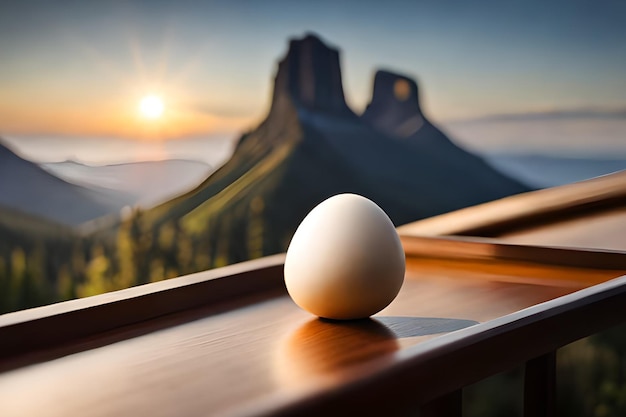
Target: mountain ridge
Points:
(27, 187)
(144, 184)
(312, 146)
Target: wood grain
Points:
(502, 251)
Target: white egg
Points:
(345, 260)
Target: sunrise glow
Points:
(151, 107)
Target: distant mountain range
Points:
(143, 183)
(16, 223)
(72, 193)
(312, 146)
(26, 187)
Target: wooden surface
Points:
(590, 214)
(260, 354)
(532, 210)
(53, 330)
(454, 248)
(540, 386)
(605, 229)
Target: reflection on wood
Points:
(322, 348)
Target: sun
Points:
(151, 107)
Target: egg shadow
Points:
(403, 327)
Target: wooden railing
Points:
(532, 336)
(376, 376)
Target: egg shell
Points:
(345, 260)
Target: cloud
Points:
(602, 134)
(222, 111)
(557, 114)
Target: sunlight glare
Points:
(151, 107)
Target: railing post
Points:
(540, 386)
(449, 405)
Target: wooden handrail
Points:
(525, 210)
(460, 247)
(51, 326)
(429, 373)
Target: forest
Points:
(46, 263)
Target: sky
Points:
(80, 68)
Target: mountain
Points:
(144, 184)
(395, 110)
(312, 146)
(15, 224)
(26, 187)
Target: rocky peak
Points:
(394, 107)
(310, 75)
